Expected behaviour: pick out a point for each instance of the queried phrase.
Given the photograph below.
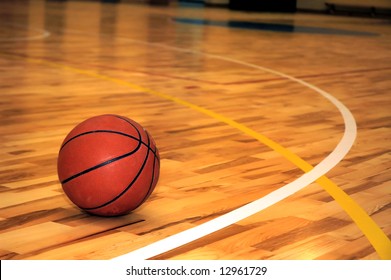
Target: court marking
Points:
(366, 224)
(239, 82)
(43, 34)
(209, 82)
(352, 72)
(374, 234)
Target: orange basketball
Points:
(108, 165)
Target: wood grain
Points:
(207, 167)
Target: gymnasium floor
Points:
(241, 105)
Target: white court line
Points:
(272, 198)
(339, 152)
(43, 34)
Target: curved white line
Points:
(44, 34)
(256, 206)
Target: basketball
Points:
(108, 165)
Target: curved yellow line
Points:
(378, 239)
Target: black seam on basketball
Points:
(102, 164)
(99, 131)
(87, 132)
(138, 131)
(150, 185)
(109, 131)
(128, 187)
(139, 139)
(152, 177)
(153, 151)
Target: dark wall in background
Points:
(263, 5)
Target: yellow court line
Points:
(378, 239)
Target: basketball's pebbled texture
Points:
(108, 165)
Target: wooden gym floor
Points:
(233, 100)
